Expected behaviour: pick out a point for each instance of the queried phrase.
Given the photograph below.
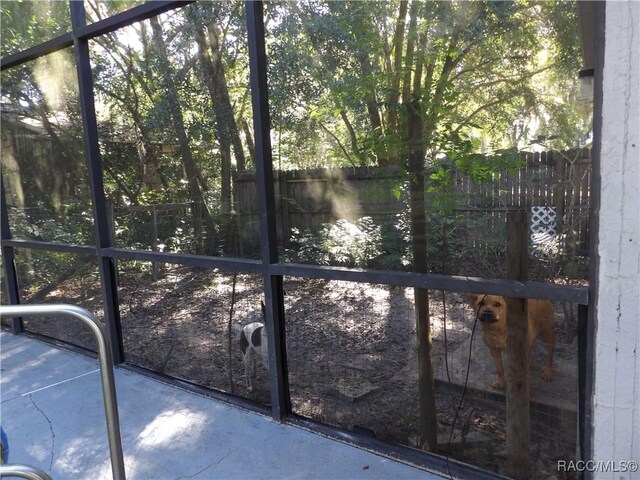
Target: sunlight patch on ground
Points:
(40, 451)
(73, 459)
(171, 428)
(9, 376)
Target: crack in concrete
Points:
(53, 435)
(207, 467)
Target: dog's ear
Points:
(264, 309)
(472, 298)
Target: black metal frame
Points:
(586, 352)
(17, 326)
(273, 289)
(268, 266)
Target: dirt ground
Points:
(351, 355)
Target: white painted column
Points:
(616, 401)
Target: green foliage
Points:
(462, 160)
(498, 69)
(27, 23)
(47, 270)
(75, 227)
(341, 243)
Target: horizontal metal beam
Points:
(227, 264)
(133, 15)
(490, 286)
(53, 45)
(52, 247)
(126, 18)
(544, 291)
(440, 465)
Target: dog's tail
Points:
(237, 331)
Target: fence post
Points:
(285, 215)
(518, 413)
(154, 237)
(560, 192)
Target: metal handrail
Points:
(106, 368)
(17, 470)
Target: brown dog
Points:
(491, 311)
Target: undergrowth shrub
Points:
(342, 243)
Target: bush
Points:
(341, 243)
(74, 227)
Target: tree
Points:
(42, 130)
(182, 72)
(208, 38)
(351, 67)
(202, 216)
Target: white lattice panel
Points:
(543, 215)
(543, 228)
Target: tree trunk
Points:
(223, 99)
(60, 167)
(249, 139)
(373, 112)
(428, 421)
(416, 150)
(201, 214)
(147, 152)
(226, 131)
(14, 194)
(393, 97)
(352, 136)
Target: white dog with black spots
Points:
(253, 345)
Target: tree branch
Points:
(484, 63)
(476, 111)
(344, 150)
(133, 196)
(512, 78)
(352, 132)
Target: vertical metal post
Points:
(587, 387)
(106, 265)
(584, 412)
(17, 325)
(273, 288)
(518, 428)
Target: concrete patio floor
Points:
(52, 412)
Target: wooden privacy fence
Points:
(553, 186)
(307, 199)
(554, 179)
(558, 183)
